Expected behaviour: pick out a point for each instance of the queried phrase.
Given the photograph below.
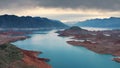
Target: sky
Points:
(64, 10)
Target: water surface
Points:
(63, 55)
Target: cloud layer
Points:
(73, 4)
(82, 4)
(65, 10)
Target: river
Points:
(63, 55)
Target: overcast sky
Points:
(64, 10)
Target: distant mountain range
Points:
(13, 21)
(112, 22)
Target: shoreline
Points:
(102, 42)
(29, 58)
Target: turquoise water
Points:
(63, 55)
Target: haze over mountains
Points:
(12, 21)
(112, 22)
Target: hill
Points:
(12, 21)
(112, 22)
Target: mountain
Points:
(112, 22)
(12, 21)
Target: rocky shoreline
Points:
(103, 42)
(31, 58)
(14, 57)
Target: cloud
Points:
(64, 10)
(82, 4)
(17, 4)
(111, 5)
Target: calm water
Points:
(96, 29)
(63, 55)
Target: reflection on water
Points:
(63, 55)
(96, 29)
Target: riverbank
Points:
(103, 42)
(14, 57)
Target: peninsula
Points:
(14, 57)
(103, 42)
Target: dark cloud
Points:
(17, 4)
(73, 4)
(82, 4)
